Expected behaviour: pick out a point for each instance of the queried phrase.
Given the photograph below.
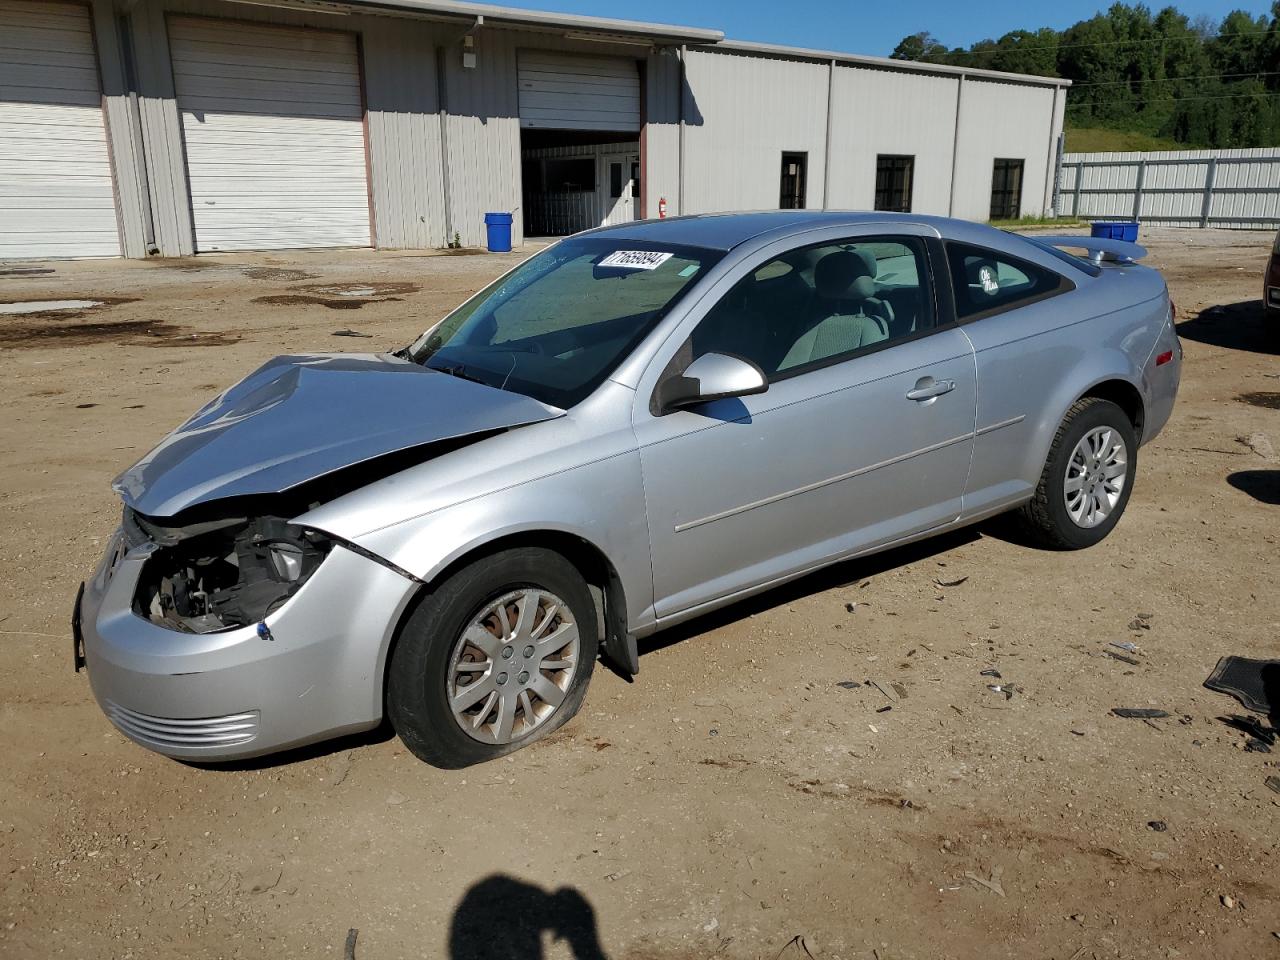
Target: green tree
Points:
(1199, 82)
(918, 46)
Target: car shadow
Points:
(1235, 326)
(1262, 485)
(843, 574)
(502, 918)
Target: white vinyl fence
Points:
(1237, 189)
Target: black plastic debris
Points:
(1159, 826)
(1256, 746)
(885, 709)
(994, 673)
(1140, 713)
(1255, 683)
(1141, 622)
(1273, 784)
(849, 684)
(1252, 728)
(352, 333)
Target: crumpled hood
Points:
(299, 418)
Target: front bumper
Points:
(314, 673)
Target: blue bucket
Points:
(1126, 230)
(498, 228)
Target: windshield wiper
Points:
(457, 370)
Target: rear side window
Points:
(986, 282)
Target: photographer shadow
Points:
(501, 918)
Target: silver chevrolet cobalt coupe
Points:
(636, 426)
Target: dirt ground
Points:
(735, 801)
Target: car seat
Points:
(847, 313)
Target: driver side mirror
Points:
(713, 376)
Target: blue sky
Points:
(856, 26)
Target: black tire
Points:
(1045, 517)
(417, 682)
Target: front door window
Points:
(822, 304)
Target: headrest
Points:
(845, 275)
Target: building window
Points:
(793, 179)
(615, 179)
(1006, 190)
(894, 175)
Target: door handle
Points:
(927, 388)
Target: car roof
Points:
(724, 231)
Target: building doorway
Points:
(580, 123)
(576, 180)
(794, 175)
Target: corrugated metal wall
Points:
(1006, 121)
(123, 133)
(741, 112)
(887, 112)
(663, 91)
(1188, 188)
(406, 165)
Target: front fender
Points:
(601, 502)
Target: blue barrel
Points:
(498, 227)
(1115, 230)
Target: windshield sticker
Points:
(635, 260)
(689, 271)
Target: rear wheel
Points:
(496, 657)
(1087, 478)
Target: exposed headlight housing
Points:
(224, 574)
(286, 558)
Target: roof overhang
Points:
(593, 28)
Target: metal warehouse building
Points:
(136, 127)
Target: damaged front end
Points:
(221, 574)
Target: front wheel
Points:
(1087, 478)
(496, 657)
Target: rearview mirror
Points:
(713, 376)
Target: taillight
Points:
(1164, 358)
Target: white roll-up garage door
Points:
(560, 91)
(273, 122)
(56, 193)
